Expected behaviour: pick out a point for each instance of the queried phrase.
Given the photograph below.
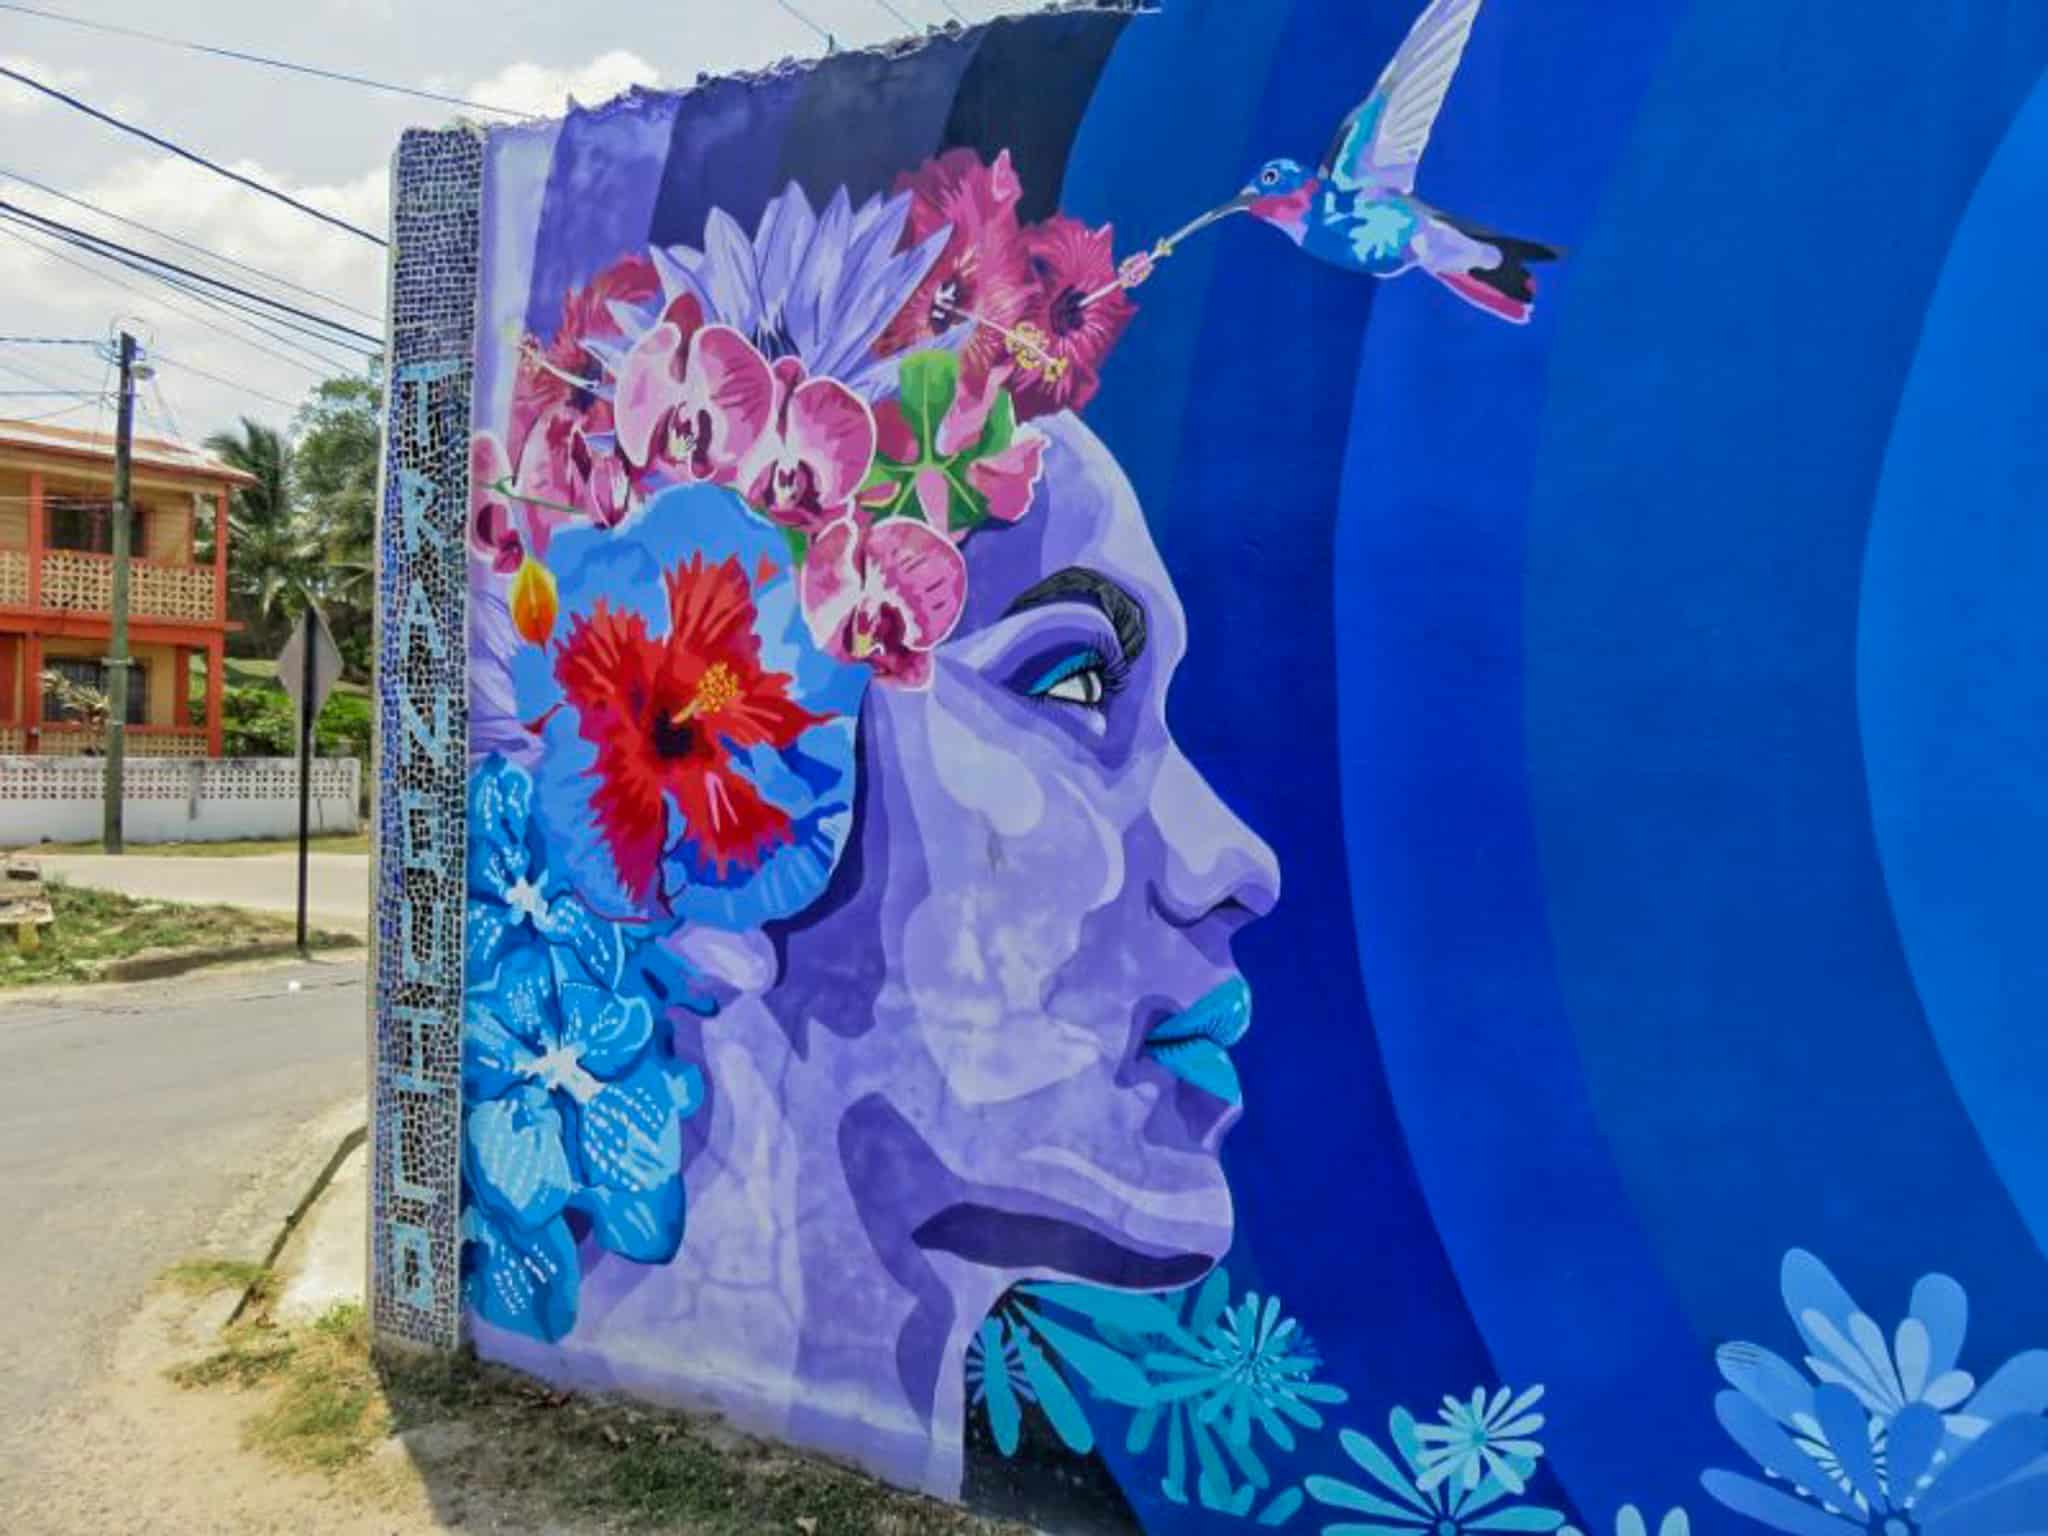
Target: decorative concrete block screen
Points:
(915, 586)
(52, 799)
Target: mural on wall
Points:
(914, 623)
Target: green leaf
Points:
(965, 507)
(930, 381)
(1001, 429)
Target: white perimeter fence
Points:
(173, 800)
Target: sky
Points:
(326, 143)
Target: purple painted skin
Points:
(936, 1085)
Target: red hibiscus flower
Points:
(667, 715)
(982, 272)
(1068, 262)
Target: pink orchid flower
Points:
(693, 403)
(568, 468)
(493, 536)
(811, 463)
(885, 595)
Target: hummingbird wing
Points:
(1381, 143)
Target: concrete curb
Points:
(347, 1146)
(155, 965)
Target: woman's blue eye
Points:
(1086, 678)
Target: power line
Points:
(800, 16)
(62, 410)
(76, 236)
(198, 372)
(329, 368)
(10, 393)
(50, 341)
(885, 5)
(258, 58)
(949, 5)
(192, 155)
(190, 245)
(212, 300)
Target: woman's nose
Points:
(1214, 864)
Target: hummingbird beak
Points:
(1236, 205)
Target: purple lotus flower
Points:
(820, 287)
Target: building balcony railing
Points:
(76, 582)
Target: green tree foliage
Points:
(260, 721)
(308, 528)
(334, 477)
(272, 560)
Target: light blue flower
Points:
(1998, 1484)
(1896, 1439)
(1006, 1368)
(1629, 1521)
(1400, 1504)
(1213, 1378)
(1917, 1365)
(1482, 1438)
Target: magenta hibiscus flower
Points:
(1068, 262)
(981, 275)
(886, 595)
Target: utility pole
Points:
(117, 645)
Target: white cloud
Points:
(545, 91)
(17, 100)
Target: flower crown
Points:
(863, 378)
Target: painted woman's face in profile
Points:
(1048, 892)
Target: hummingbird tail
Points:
(1494, 275)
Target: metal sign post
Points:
(309, 666)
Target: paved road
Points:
(338, 884)
(137, 1123)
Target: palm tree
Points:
(272, 559)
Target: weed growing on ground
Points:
(93, 928)
(329, 1401)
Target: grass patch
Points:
(328, 1402)
(202, 1277)
(331, 842)
(94, 928)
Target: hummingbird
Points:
(1357, 209)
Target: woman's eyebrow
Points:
(1079, 584)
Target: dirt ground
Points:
(474, 1450)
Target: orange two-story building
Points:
(57, 582)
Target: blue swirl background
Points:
(1672, 671)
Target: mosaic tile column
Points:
(422, 712)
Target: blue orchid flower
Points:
(574, 1101)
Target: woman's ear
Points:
(730, 965)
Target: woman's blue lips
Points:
(1194, 1044)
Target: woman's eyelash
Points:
(1089, 677)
